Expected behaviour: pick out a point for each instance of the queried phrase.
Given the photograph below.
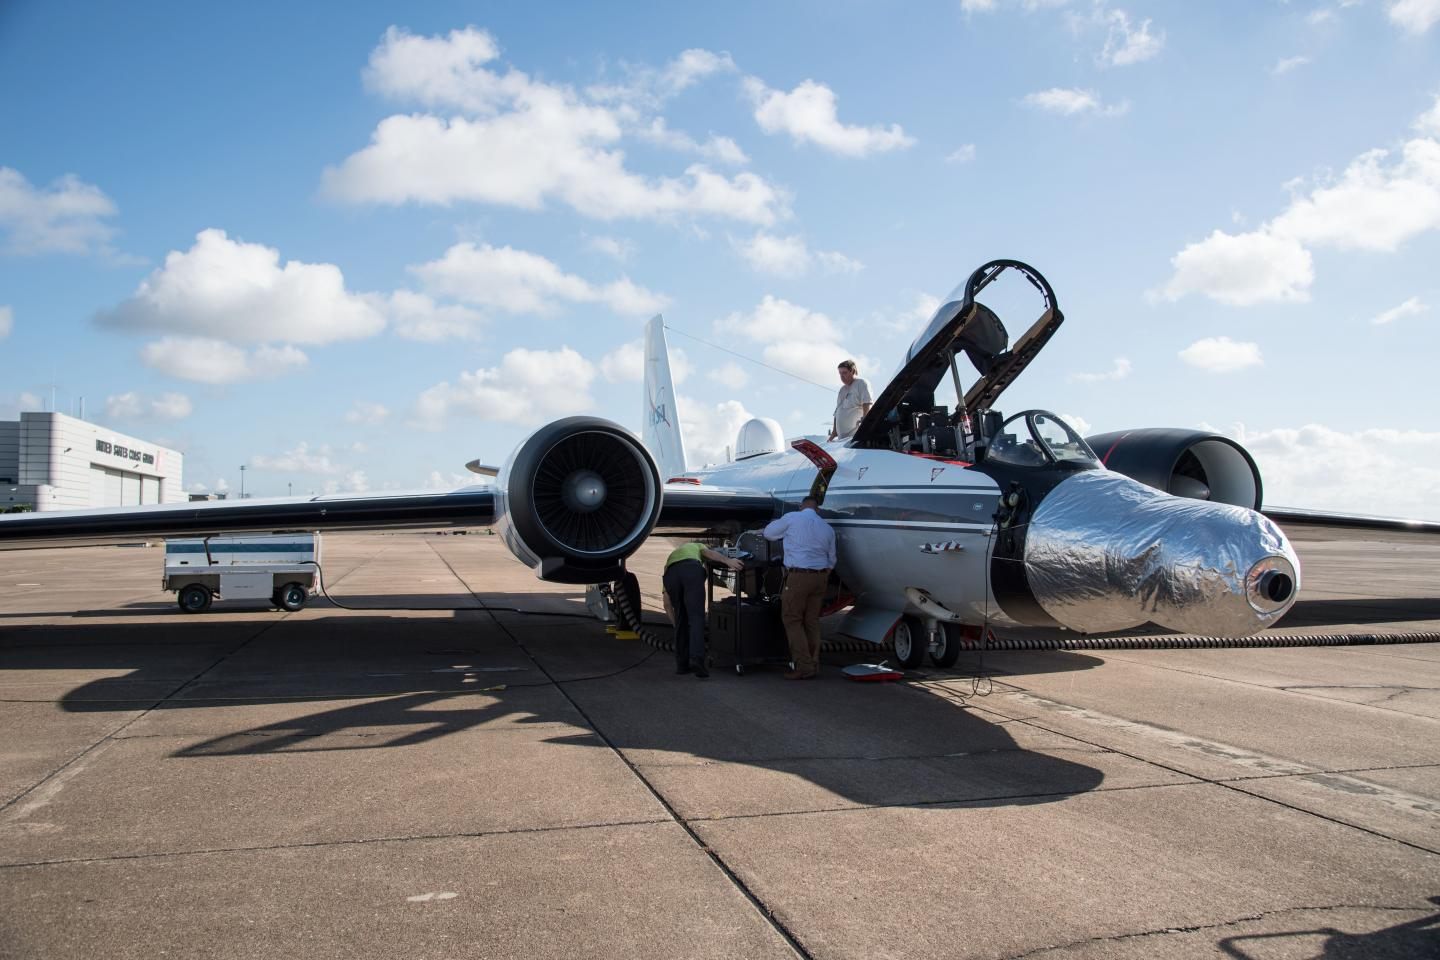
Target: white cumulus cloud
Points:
(239, 292)
(730, 374)
(1409, 308)
(1383, 199)
(613, 247)
(790, 256)
(795, 339)
(416, 316)
(809, 114)
(520, 282)
(367, 413)
(1221, 355)
(215, 361)
(962, 154)
(1243, 269)
(136, 406)
(518, 142)
(299, 459)
(1070, 101)
(1287, 64)
(1125, 45)
(626, 364)
(529, 386)
(1429, 121)
(1414, 16)
(1320, 468)
(709, 429)
(67, 217)
(7, 321)
(1119, 371)
(647, 88)
(717, 148)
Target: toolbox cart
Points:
(745, 627)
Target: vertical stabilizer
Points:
(661, 431)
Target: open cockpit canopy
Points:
(905, 416)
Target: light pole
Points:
(242, 481)
(289, 491)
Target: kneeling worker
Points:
(684, 584)
(809, 558)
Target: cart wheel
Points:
(292, 596)
(739, 669)
(195, 598)
(947, 647)
(909, 637)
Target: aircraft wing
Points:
(697, 508)
(1312, 522)
(380, 511)
(684, 507)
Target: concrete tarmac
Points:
(455, 781)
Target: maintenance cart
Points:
(281, 568)
(745, 627)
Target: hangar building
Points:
(49, 461)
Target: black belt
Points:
(809, 569)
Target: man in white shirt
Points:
(809, 558)
(851, 403)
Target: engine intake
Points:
(1184, 463)
(576, 498)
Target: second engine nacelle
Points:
(1184, 463)
(576, 498)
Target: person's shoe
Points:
(682, 668)
(697, 667)
(795, 675)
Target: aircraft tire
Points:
(910, 645)
(195, 598)
(291, 596)
(948, 650)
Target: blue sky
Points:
(354, 246)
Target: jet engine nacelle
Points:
(576, 498)
(1184, 463)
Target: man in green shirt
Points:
(684, 583)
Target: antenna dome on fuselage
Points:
(757, 436)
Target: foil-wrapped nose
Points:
(1104, 552)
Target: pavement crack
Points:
(354, 841)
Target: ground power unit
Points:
(280, 568)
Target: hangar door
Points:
(116, 488)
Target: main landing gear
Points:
(914, 638)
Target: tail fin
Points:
(661, 431)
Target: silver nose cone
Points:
(1104, 552)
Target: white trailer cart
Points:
(279, 567)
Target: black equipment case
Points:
(747, 632)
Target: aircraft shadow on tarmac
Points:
(1317, 613)
(1413, 938)
(395, 682)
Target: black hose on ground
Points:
(1198, 643)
